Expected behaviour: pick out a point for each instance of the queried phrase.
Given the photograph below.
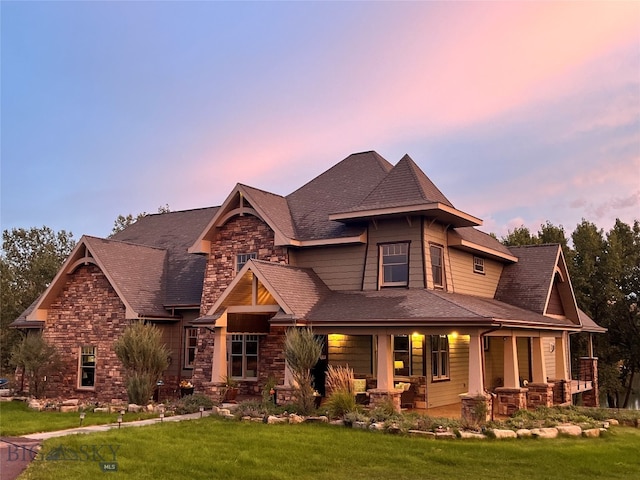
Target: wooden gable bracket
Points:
(86, 259)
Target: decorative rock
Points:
(133, 408)
(376, 426)
(606, 424)
(150, 408)
(445, 435)
(338, 423)
(273, 420)
(466, 434)
(545, 432)
(591, 433)
(36, 405)
(422, 433)
(504, 433)
(5, 392)
(72, 401)
(361, 425)
(571, 430)
(613, 421)
(393, 429)
(523, 433)
(101, 410)
(295, 419)
(320, 419)
(68, 408)
(229, 416)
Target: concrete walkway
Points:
(17, 452)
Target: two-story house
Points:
(399, 283)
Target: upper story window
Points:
(394, 264)
(437, 265)
(190, 345)
(243, 258)
(478, 265)
(87, 367)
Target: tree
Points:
(519, 236)
(301, 351)
(122, 222)
(144, 357)
(28, 262)
(37, 359)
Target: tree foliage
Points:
(29, 260)
(123, 221)
(144, 357)
(302, 349)
(37, 359)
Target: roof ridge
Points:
(261, 190)
(181, 211)
(125, 242)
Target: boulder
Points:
(223, 412)
(376, 426)
(320, 419)
(150, 408)
(504, 433)
(422, 433)
(466, 434)
(35, 405)
(523, 433)
(545, 432)
(591, 433)
(71, 401)
(295, 419)
(571, 430)
(273, 420)
(101, 410)
(613, 421)
(68, 408)
(133, 408)
(338, 423)
(445, 435)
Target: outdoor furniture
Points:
(360, 390)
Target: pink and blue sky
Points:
(521, 112)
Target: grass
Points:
(17, 419)
(215, 448)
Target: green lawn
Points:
(17, 419)
(214, 448)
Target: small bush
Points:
(341, 402)
(384, 411)
(340, 379)
(192, 404)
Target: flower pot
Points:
(186, 391)
(230, 394)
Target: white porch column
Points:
(288, 376)
(385, 363)
(562, 369)
(476, 367)
(511, 371)
(538, 365)
(219, 370)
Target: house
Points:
(399, 283)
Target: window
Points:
(478, 265)
(394, 260)
(437, 263)
(243, 258)
(244, 356)
(408, 355)
(439, 357)
(190, 345)
(87, 371)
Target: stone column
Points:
(511, 397)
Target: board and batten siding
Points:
(339, 267)
(447, 392)
(395, 230)
(468, 282)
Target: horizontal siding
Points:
(549, 356)
(494, 363)
(395, 230)
(449, 391)
(353, 350)
(339, 267)
(522, 344)
(466, 281)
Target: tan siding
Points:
(550, 356)
(396, 230)
(448, 391)
(436, 234)
(494, 363)
(466, 281)
(339, 267)
(522, 345)
(353, 350)
(555, 301)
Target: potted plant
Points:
(230, 389)
(186, 388)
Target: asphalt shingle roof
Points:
(471, 234)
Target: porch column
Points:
(385, 363)
(562, 370)
(476, 367)
(511, 371)
(538, 364)
(219, 369)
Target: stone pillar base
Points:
(476, 409)
(561, 392)
(378, 397)
(540, 395)
(215, 391)
(589, 371)
(285, 394)
(510, 400)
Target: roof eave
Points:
(466, 245)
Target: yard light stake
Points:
(119, 420)
(161, 417)
(81, 418)
(201, 410)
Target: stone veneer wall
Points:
(540, 395)
(245, 234)
(510, 400)
(87, 312)
(202, 363)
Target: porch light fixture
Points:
(454, 335)
(398, 364)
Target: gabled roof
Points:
(528, 283)
(135, 272)
(406, 190)
(588, 325)
(475, 241)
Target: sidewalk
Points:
(17, 452)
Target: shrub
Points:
(144, 356)
(340, 379)
(301, 351)
(341, 402)
(38, 359)
(192, 403)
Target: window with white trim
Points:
(87, 367)
(244, 356)
(190, 346)
(437, 265)
(243, 258)
(394, 264)
(408, 355)
(478, 265)
(439, 357)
